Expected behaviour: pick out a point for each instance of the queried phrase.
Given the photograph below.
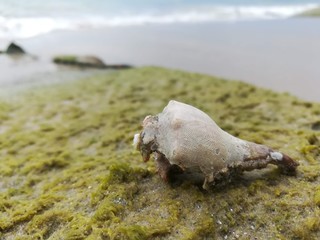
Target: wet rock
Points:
(52, 187)
(14, 49)
(80, 61)
(86, 62)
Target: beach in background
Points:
(21, 19)
(253, 41)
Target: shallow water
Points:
(19, 73)
(281, 54)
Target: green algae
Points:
(317, 197)
(68, 170)
(315, 12)
(65, 58)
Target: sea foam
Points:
(25, 27)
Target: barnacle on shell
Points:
(184, 136)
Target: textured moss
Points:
(68, 170)
(317, 197)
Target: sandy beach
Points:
(281, 55)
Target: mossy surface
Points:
(68, 170)
(311, 13)
(65, 58)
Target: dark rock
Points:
(315, 126)
(14, 49)
(86, 62)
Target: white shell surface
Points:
(190, 138)
(136, 140)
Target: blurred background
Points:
(270, 43)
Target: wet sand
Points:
(282, 55)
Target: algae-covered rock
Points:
(86, 62)
(81, 61)
(68, 170)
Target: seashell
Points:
(184, 136)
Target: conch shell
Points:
(184, 136)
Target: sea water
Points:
(23, 19)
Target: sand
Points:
(281, 55)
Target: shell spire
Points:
(184, 136)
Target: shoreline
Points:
(278, 54)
